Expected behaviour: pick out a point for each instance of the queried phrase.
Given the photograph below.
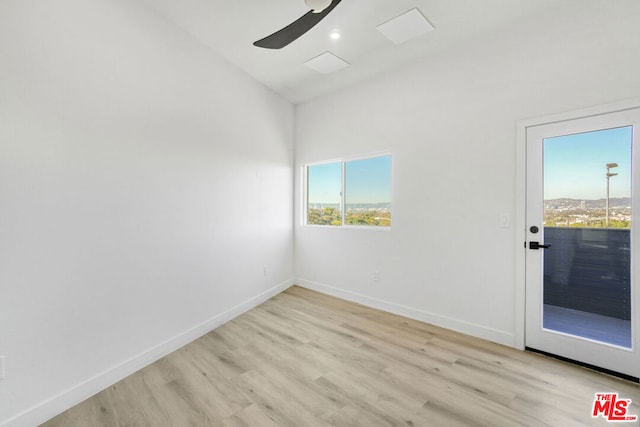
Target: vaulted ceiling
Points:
(229, 27)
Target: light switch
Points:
(505, 220)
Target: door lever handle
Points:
(537, 245)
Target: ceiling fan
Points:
(281, 38)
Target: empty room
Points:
(319, 212)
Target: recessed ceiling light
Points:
(326, 63)
(335, 35)
(406, 26)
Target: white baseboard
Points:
(69, 398)
(475, 330)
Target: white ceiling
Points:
(229, 27)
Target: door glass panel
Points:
(587, 222)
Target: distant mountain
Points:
(368, 206)
(381, 205)
(617, 202)
(324, 205)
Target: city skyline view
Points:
(366, 187)
(367, 181)
(577, 190)
(575, 165)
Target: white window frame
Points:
(343, 163)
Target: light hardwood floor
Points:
(307, 359)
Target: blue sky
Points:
(574, 165)
(325, 183)
(367, 181)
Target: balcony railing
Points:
(588, 269)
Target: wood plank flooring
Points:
(307, 359)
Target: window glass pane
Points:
(587, 179)
(324, 185)
(368, 192)
(587, 222)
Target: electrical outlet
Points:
(375, 276)
(1, 368)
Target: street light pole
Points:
(609, 175)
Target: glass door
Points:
(579, 263)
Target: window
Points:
(365, 185)
(324, 190)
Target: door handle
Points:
(537, 245)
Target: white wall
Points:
(451, 124)
(144, 184)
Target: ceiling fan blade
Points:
(291, 32)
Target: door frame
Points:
(521, 199)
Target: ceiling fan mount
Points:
(281, 38)
(317, 6)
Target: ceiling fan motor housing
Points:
(318, 6)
